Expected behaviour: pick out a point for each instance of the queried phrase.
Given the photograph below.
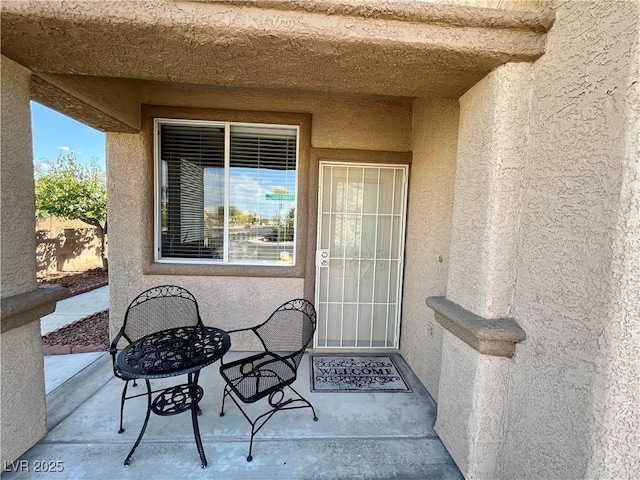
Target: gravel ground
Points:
(92, 331)
(76, 282)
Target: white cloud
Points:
(65, 149)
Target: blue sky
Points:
(54, 133)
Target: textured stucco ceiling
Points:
(401, 49)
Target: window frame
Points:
(157, 197)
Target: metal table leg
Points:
(127, 460)
(195, 411)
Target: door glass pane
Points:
(336, 280)
(338, 236)
(322, 315)
(334, 332)
(325, 231)
(323, 283)
(352, 234)
(338, 189)
(370, 194)
(367, 272)
(396, 240)
(394, 271)
(386, 191)
(369, 240)
(380, 316)
(351, 280)
(349, 325)
(326, 191)
(398, 203)
(364, 324)
(354, 190)
(381, 290)
(384, 238)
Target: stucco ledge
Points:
(496, 337)
(18, 310)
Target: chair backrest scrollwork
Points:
(289, 330)
(159, 308)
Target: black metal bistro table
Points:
(169, 353)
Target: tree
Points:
(72, 191)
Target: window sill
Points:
(494, 337)
(200, 269)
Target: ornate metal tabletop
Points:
(172, 352)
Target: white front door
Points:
(359, 260)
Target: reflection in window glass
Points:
(248, 220)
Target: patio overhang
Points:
(400, 49)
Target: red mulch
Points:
(77, 282)
(89, 334)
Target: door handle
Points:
(322, 257)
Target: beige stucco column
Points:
(22, 371)
(474, 378)
(434, 146)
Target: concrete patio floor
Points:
(358, 435)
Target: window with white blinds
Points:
(225, 192)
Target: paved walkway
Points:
(74, 308)
(59, 369)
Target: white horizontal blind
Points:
(190, 156)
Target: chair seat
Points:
(255, 377)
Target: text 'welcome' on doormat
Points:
(356, 373)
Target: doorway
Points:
(360, 253)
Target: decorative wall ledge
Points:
(496, 337)
(18, 310)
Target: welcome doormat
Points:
(356, 373)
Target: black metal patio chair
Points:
(285, 335)
(155, 309)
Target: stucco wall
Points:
(545, 229)
(473, 399)
(519, 5)
(17, 221)
(573, 410)
(228, 302)
(23, 400)
(23, 394)
(339, 121)
(225, 302)
(481, 277)
(489, 173)
(430, 207)
(615, 438)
